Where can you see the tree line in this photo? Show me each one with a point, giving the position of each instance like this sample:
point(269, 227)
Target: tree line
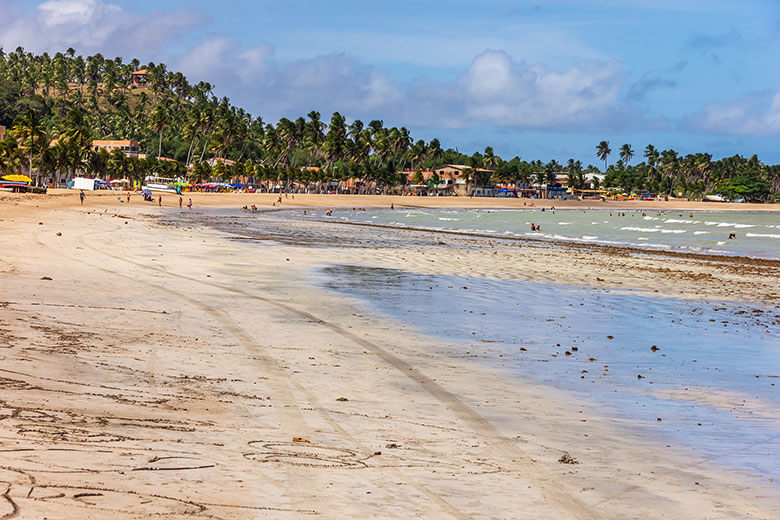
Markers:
point(56, 105)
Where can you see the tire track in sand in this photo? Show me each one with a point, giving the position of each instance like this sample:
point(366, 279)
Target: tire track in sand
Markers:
point(291, 417)
point(521, 464)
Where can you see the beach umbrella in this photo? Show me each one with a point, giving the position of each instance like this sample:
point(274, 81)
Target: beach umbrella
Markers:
point(147, 191)
point(17, 178)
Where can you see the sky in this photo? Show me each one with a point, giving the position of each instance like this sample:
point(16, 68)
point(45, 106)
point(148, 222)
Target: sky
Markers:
point(537, 79)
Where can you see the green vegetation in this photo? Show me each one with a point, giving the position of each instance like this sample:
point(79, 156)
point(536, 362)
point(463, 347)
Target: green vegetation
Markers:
point(56, 105)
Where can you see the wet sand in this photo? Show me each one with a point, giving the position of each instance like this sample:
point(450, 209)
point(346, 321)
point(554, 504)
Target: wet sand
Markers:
point(151, 369)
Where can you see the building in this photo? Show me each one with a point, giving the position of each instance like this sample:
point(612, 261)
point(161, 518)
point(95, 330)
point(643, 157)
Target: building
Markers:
point(140, 78)
point(214, 160)
point(2, 132)
point(130, 148)
point(453, 179)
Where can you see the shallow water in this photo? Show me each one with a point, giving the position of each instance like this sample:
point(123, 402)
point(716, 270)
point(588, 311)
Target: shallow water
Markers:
point(711, 381)
point(757, 233)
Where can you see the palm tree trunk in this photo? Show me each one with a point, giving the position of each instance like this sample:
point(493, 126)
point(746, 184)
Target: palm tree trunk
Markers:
point(189, 152)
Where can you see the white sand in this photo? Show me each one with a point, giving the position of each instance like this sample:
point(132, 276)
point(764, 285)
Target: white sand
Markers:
point(168, 371)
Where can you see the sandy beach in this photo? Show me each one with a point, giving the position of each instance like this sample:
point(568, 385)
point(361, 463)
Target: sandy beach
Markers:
point(151, 368)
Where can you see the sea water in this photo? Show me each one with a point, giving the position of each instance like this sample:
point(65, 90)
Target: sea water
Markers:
point(710, 372)
point(756, 233)
point(712, 377)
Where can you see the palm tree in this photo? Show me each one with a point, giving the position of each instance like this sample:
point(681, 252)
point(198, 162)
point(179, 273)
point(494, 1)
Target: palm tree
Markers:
point(602, 152)
point(29, 127)
point(491, 160)
point(626, 153)
point(159, 122)
point(652, 156)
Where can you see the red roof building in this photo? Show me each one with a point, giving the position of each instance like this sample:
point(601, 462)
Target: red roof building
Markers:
point(140, 77)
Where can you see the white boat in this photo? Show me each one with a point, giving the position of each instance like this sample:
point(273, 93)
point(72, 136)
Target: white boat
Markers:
point(159, 184)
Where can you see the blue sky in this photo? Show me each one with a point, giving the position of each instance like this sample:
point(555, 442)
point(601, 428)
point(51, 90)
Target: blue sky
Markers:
point(538, 79)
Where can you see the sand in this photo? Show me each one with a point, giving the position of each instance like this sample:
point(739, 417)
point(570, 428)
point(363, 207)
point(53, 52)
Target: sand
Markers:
point(151, 370)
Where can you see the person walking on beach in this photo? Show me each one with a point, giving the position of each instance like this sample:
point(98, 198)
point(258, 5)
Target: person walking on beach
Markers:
point(189, 204)
point(81, 196)
point(159, 201)
point(180, 201)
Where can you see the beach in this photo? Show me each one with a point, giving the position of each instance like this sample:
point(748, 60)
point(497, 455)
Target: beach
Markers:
point(222, 364)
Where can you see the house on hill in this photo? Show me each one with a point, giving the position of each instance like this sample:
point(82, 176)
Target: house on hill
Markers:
point(140, 77)
point(130, 148)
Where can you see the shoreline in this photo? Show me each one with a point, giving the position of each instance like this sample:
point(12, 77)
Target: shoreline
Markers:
point(606, 248)
point(70, 198)
point(199, 406)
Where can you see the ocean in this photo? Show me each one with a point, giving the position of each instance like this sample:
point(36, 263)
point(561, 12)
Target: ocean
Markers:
point(756, 233)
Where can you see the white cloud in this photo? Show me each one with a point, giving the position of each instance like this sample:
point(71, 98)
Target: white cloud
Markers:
point(754, 115)
point(89, 26)
point(256, 81)
point(494, 90)
point(499, 91)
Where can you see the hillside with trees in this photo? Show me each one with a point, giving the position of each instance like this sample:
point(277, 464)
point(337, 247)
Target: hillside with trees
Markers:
point(55, 106)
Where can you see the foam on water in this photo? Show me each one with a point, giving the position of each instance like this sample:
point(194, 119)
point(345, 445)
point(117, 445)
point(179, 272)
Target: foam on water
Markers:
point(698, 232)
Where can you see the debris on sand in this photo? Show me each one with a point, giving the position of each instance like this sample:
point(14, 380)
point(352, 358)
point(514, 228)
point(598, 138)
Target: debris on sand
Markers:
point(300, 439)
point(59, 234)
point(567, 459)
point(342, 399)
point(654, 348)
point(45, 277)
point(392, 445)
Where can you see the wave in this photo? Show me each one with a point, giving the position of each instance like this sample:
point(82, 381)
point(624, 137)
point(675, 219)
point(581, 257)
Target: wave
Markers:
point(652, 230)
point(763, 235)
point(728, 224)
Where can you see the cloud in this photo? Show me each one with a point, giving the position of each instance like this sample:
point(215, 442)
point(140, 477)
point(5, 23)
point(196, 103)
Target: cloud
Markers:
point(652, 81)
point(709, 42)
point(754, 115)
point(494, 90)
point(90, 26)
point(499, 91)
point(640, 89)
point(330, 82)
